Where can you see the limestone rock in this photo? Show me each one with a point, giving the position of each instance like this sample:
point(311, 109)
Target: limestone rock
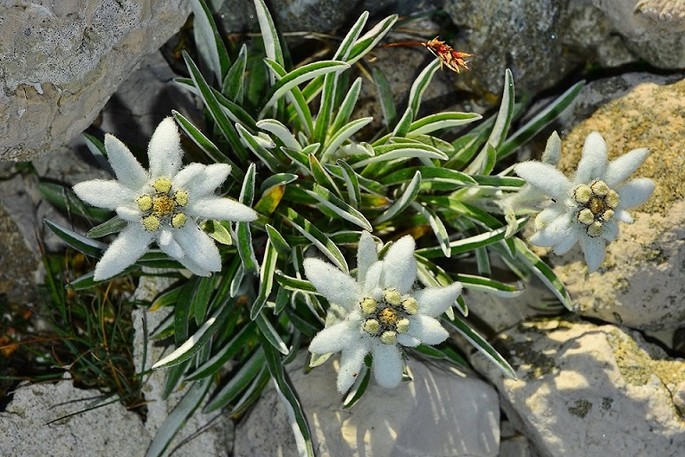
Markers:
point(590, 390)
point(27, 427)
point(440, 413)
point(653, 29)
point(61, 61)
point(640, 284)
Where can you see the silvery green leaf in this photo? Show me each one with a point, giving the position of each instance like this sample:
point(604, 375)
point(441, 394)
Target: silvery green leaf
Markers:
point(499, 131)
point(232, 86)
point(82, 244)
point(266, 278)
point(343, 134)
point(272, 44)
point(436, 225)
point(237, 343)
point(385, 97)
point(539, 121)
point(285, 83)
point(243, 231)
point(278, 179)
point(339, 207)
point(281, 132)
point(270, 334)
point(256, 145)
point(351, 182)
point(440, 121)
point(491, 286)
point(114, 225)
point(277, 240)
point(321, 175)
point(370, 39)
point(389, 152)
point(299, 104)
point(347, 105)
point(238, 382)
point(208, 40)
point(408, 196)
point(420, 84)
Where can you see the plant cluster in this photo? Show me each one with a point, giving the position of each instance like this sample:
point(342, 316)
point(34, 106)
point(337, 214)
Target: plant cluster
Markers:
point(426, 203)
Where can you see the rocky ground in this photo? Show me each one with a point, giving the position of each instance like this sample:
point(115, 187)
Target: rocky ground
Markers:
point(607, 380)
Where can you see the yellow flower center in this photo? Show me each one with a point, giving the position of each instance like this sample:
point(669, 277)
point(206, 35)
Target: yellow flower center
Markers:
point(163, 206)
point(388, 317)
point(596, 203)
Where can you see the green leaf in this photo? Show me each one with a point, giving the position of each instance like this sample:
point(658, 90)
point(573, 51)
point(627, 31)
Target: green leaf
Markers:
point(339, 207)
point(262, 153)
point(347, 106)
point(82, 244)
point(281, 132)
point(320, 174)
point(238, 343)
point(219, 231)
point(208, 40)
point(278, 179)
point(114, 225)
point(481, 344)
point(215, 110)
point(317, 237)
point(491, 286)
point(543, 272)
point(277, 240)
point(294, 284)
point(358, 389)
point(232, 86)
point(272, 44)
point(298, 101)
point(287, 82)
point(270, 335)
point(539, 121)
point(95, 146)
point(175, 420)
point(385, 97)
point(287, 393)
point(387, 152)
point(370, 39)
point(420, 84)
point(437, 226)
point(351, 182)
point(266, 278)
point(442, 178)
point(238, 382)
point(499, 131)
point(243, 232)
point(192, 345)
point(343, 134)
point(205, 144)
point(441, 121)
point(470, 243)
point(408, 196)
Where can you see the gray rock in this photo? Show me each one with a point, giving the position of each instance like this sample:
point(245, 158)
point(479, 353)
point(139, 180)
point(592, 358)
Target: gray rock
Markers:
point(640, 282)
point(202, 434)
point(441, 412)
point(653, 29)
point(590, 390)
point(28, 428)
point(60, 63)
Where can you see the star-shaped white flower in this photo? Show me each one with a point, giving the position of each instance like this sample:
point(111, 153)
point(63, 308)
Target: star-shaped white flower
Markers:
point(587, 209)
point(161, 205)
point(383, 311)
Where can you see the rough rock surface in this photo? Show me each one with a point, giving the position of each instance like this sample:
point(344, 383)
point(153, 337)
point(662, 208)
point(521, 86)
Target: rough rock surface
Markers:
point(60, 62)
point(590, 390)
point(653, 29)
point(640, 284)
point(27, 427)
point(440, 413)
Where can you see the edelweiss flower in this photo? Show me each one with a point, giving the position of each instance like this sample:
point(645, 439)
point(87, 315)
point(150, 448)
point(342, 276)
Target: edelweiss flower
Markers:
point(588, 209)
point(161, 205)
point(382, 311)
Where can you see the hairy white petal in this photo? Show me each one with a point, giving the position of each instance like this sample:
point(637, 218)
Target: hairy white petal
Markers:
point(407, 340)
point(126, 167)
point(427, 329)
point(545, 177)
point(635, 193)
point(549, 214)
point(399, 265)
point(387, 365)
point(220, 208)
point(332, 283)
point(334, 338)
point(164, 149)
point(434, 301)
point(209, 179)
point(129, 213)
point(623, 216)
point(198, 247)
point(610, 230)
point(351, 361)
point(373, 277)
point(188, 175)
point(169, 246)
point(555, 232)
point(567, 243)
point(593, 163)
point(594, 250)
point(129, 246)
point(104, 193)
point(620, 169)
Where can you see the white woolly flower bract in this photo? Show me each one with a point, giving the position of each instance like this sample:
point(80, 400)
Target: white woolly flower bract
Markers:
point(587, 209)
point(382, 311)
point(161, 204)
